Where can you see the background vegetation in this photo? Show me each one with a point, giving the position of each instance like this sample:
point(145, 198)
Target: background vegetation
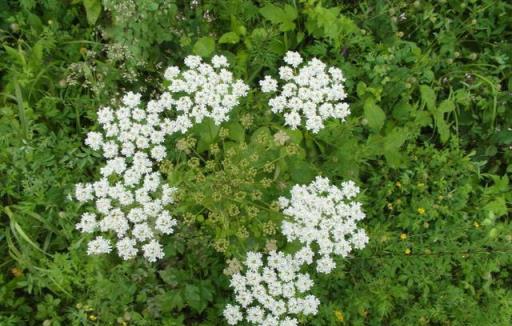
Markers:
point(428, 140)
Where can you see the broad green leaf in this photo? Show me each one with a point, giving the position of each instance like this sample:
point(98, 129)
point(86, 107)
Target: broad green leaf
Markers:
point(446, 106)
point(374, 115)
point(295, 135)
point(193, 297)
point(301, 171)
point(290, 12)
point(272, 13)
point(169, 276)
point(236, 131)
point(403, 110)
point(262, 131)
point(207, 131)
point(204, 46)
point(92, 10)
point(229, 37)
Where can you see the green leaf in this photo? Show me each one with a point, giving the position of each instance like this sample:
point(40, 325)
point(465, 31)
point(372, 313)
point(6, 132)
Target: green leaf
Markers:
point(193, 297)
point(392, 143)
point(207, 132)
point(446, 106)
point(236, 131)
point(301, 171)
point(204, 46)
point(169, 276)
point(282, 17)
point(498, 207)
point(403, 110)
point(92, 10)
point(290, 12)
point(229, 37)
point(374, 114)
point(272, 13)
point(295, 135)
point(442, 127)
point(262, 131)
point(428, 96)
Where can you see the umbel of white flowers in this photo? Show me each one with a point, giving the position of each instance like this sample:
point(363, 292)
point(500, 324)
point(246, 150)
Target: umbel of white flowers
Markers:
point(273, 290)
point(325, 215)
point(130, 212)
point(321, 217)
point(312, 92)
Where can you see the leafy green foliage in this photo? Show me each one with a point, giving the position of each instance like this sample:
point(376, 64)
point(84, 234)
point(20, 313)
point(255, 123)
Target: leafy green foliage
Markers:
point(428, 140)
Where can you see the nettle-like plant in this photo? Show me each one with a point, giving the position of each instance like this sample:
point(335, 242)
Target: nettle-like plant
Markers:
point(132, 201)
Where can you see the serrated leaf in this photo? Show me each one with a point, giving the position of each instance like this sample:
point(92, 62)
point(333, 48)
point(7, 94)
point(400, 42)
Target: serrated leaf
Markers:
point(428, 96)
point(278, 16)
point(192, 296)
point(204, 46)
point(442, 127)
point(374, 115)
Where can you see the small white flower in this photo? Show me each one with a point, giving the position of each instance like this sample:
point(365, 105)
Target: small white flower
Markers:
point(88, 223)
point(233, 314)
point(153, 251)
point(165, 223)
point(84, 192)
point(192, 61)
point(131, 99)
point(142, 232)
point(171, 72)
point(268, 85)
point(98, 246)
point(94, 140)
point(126, 248)
point(293, 59)
point(158, 153)
point(219, 61)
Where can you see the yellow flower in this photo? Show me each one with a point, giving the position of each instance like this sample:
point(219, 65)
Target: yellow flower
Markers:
point(421, 210)
point(407, 251)
point(339, 315)
point(476, 224)
point(92, 317)
point(403, 236)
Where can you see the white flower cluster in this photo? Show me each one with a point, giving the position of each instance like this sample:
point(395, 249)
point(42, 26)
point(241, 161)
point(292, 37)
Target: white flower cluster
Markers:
point(273, 290)
point(130, 197)
point(323, 217)
point(204, 90)
point(323, 214)
point(314, 92)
